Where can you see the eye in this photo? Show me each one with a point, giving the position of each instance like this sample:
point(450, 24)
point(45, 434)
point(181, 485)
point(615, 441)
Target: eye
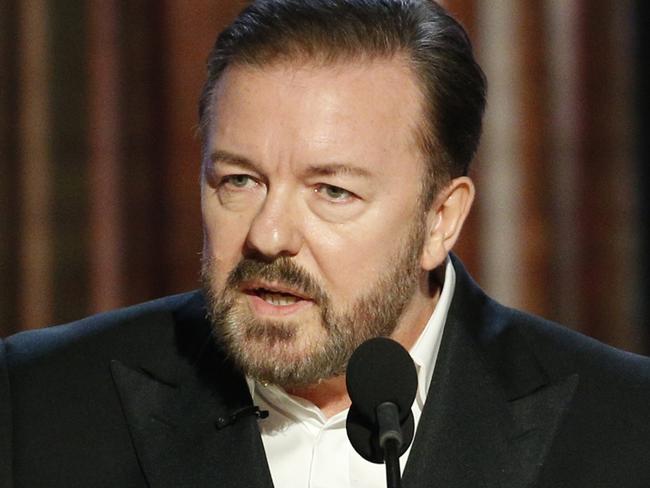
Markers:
point(238, 181)
point(334, 193)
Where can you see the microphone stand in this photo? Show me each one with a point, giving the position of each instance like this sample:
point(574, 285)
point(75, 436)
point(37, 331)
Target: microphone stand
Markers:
point(390, 440)
point(391, 458)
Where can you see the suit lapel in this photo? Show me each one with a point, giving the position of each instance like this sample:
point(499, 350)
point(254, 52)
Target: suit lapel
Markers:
point(179, 413)
point(489, 420)
point(491, 413)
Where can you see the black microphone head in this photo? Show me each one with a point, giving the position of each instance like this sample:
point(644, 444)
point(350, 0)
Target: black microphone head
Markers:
point(363, 436)
point(381, 370)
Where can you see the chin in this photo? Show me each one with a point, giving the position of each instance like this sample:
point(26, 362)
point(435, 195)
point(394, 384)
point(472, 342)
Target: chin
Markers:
point(288, 358)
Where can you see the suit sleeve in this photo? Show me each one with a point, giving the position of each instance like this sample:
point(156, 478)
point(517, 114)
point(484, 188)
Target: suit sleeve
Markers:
point(5, 422)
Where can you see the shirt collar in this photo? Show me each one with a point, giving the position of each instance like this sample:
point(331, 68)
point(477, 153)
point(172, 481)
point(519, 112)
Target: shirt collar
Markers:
point(425, 350)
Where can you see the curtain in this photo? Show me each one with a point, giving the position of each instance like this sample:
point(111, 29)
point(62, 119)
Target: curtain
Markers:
point(99, 158)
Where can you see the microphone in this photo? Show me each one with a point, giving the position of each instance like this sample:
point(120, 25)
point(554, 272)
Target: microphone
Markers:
point(251, 410)
point(381, 381)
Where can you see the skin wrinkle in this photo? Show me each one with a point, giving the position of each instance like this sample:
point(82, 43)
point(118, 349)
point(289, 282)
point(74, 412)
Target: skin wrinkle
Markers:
point(365, 254)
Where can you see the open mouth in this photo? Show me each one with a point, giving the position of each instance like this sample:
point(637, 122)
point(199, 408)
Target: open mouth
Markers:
point(277, 296)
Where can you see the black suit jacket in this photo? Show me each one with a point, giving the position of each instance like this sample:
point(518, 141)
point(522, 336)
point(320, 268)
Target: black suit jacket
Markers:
point(144, 397)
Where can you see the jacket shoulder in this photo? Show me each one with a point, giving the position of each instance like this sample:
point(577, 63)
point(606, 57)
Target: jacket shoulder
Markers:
point(563, 349)
point(112, 331)
point(519, 345)
point(61, 416)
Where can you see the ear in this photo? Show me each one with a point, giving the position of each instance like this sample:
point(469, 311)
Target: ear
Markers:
point(445, 220)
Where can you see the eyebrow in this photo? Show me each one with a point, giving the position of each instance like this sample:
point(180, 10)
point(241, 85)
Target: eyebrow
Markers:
point(334, 169)
point(328, 169)
point(221, 156)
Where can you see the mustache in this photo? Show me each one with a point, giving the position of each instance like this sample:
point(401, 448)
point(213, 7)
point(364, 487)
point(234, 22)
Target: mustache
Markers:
point(282, 270)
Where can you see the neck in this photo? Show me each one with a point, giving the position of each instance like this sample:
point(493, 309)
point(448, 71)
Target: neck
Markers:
point(415, 317)
point(330, 395)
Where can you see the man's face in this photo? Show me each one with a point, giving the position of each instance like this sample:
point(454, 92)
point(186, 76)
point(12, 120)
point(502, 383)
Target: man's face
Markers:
point(313, 227)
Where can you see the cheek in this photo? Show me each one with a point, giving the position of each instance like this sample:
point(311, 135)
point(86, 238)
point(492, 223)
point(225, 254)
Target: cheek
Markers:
point(219, 262)
point(352, 256)
point(223, 239)
point(346, 257)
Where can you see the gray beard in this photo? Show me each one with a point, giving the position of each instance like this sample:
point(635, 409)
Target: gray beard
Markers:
point(259, 347)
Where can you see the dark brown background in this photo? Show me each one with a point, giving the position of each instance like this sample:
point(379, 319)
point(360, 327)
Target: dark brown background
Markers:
point(99, 200)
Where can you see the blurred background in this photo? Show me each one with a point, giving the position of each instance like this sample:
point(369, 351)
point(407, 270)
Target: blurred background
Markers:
point(99, 158)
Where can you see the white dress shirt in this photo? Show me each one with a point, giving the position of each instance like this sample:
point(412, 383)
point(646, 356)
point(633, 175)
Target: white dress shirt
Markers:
point(305, 449)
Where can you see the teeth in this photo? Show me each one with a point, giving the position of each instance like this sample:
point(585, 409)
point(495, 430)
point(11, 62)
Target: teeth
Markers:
point(278, 299)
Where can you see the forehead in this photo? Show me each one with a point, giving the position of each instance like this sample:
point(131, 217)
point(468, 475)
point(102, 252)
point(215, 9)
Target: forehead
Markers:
point(368, 109)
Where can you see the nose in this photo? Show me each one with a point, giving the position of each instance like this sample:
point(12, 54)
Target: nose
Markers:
point(274, 231)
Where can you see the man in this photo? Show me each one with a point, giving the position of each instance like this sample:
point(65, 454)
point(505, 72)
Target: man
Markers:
point(337, 137)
